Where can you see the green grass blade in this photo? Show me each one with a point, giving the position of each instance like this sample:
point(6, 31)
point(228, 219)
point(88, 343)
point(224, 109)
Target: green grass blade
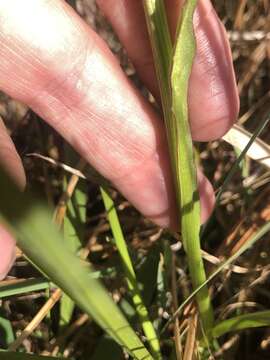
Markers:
point(186, 179)
point(121, 245)
point(67, 306)
point(161, 45)
point(74, 223)
point(22, 287)
point(259, 234)
point(30, 221)
point(40, 284)
point(173, 76)
point(162, 49)
point(241, 322)
point(7, 355)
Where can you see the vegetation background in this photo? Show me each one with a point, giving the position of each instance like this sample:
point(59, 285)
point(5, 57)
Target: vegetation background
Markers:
point(244, 207)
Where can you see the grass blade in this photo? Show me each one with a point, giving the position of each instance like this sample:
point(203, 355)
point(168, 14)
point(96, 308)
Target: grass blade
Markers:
point(140, 307)
point(30, 221)
point(8, 355)
point(40, 284)
point(173, 68)
point(186, 179)
point(241, 322)
point(25, 286)
point(160, 39)
point(74, 221)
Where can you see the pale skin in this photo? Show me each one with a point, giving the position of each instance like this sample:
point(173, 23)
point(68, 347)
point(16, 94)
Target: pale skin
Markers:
point(53, 62)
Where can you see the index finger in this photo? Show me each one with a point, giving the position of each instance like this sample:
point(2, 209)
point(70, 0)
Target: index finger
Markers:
point(52, 61)
point(213, 98)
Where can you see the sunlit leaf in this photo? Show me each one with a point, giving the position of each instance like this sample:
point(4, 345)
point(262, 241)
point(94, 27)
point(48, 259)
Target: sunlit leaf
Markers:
point(40, 240)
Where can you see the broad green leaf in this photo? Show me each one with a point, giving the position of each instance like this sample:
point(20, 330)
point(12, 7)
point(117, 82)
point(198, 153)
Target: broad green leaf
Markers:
point(173, 68)
point(7, 355)
point(40, 240)
point(241, 322)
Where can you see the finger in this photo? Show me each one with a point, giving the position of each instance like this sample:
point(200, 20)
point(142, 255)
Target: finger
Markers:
point(11, 163)
point(50, 60)
point(7, 251)
point(9, 158)
point(213, 99)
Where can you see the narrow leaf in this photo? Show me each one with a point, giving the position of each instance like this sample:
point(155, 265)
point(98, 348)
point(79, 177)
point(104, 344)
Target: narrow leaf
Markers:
point(8, 355)
point(24, 286)
point(242, 322)
point(39, 239)
point(140, 307)
point(74, 223)
point(173, 68)
point(186, 173)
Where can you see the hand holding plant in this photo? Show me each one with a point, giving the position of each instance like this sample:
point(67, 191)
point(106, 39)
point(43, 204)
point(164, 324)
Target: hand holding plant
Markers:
point(78, 96)
point(54, 63)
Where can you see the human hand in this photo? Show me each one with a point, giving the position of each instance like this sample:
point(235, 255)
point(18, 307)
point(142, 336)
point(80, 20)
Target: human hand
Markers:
point(53, 62)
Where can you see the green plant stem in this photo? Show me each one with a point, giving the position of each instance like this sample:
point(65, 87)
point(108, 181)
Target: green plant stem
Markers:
point(121, 245)
point(173, 68)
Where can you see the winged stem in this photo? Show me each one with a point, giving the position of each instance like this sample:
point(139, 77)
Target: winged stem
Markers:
point(173, 68)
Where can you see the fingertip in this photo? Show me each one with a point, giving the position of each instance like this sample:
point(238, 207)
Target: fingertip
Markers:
point(213, 93)
point(9, 159)
point(170, 218)
point(207, 197)
point(7, 251)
